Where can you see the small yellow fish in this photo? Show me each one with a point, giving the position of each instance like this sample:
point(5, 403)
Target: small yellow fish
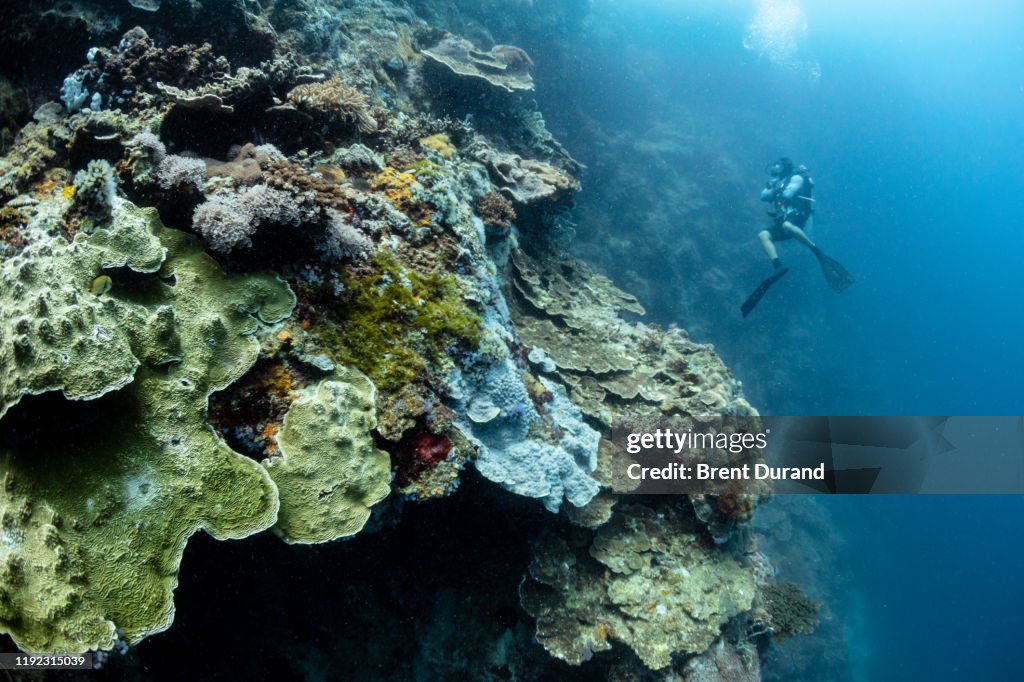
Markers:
point(101, 285)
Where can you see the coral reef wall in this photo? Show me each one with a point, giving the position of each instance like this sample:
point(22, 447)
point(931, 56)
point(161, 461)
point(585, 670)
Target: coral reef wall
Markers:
point(296, 267)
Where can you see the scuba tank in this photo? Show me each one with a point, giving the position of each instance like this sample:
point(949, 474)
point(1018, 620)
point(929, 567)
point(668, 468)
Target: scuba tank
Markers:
point(802, 203)
point(806, 191)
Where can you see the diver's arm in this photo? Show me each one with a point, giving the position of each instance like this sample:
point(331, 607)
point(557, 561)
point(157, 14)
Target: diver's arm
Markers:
point(796, 183)
point(768, 193)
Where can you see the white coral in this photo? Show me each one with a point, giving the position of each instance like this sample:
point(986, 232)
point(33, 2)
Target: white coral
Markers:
point(228, 221)
point(179, 171)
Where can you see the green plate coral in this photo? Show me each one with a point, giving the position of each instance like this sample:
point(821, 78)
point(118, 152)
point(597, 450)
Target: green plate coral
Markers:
point(92, 527)
point(56, 331)
point(328, 471)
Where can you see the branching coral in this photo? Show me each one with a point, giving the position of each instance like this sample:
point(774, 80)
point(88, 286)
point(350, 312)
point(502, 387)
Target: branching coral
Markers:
point(791, 611)
point(284, 175)
point(228, 221)
point(94, 192)
point(123, 78)
point(496, 211)
point(182, 172)
point(335, 101)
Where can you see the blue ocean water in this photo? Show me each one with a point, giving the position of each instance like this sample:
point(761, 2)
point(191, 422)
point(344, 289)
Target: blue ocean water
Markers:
point(936, 589)
point(911, 116)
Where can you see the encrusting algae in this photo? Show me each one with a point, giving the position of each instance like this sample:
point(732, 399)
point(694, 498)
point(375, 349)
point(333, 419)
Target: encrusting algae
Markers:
point(392, 322)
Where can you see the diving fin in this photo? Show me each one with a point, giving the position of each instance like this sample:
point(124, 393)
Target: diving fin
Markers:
point(836, 275)
point(761, 290)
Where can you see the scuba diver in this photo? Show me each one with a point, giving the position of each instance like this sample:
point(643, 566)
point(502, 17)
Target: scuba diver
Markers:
point(789, 191)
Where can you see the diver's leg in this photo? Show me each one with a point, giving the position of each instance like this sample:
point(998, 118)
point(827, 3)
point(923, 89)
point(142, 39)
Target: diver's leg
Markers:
point(799, 235)
point(769, 248)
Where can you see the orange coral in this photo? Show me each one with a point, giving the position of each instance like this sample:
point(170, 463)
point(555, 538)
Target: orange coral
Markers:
point(397, 188)
point(603, 630)
point(278, 381)
point(269, 433)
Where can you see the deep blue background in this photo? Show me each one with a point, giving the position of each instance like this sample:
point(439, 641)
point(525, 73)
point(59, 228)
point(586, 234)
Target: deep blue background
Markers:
point(915, 131)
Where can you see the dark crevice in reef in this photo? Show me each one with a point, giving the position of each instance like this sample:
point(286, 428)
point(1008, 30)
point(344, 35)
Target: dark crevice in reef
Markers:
point(249, 413)
point(66, 36)
point(90, 144)
point(51, 425)
point(211, 134)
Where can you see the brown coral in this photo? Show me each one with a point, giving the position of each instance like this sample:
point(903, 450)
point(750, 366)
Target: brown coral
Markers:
point(138, 61)
point(496, 210)
point(245, 166)
point(513, 57)
point(526, 181)
point(128, 76)
point(404, 157)
point(791, 611)
point(11, 222)
point(284, 175)
point(253, 165)
point(336, 102)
